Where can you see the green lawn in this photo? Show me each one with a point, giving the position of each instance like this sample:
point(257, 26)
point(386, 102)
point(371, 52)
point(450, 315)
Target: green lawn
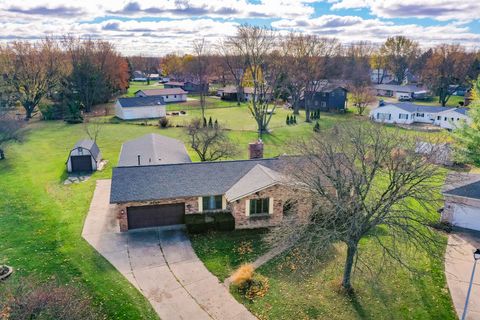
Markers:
point(41, 219)
point(296, 293)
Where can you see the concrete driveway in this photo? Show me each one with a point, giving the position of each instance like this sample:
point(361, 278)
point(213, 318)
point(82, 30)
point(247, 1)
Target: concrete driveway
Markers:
point(161, 264)
point(458, 269)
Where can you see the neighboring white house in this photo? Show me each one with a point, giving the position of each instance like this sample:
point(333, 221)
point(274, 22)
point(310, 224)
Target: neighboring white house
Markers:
point(408, 113)
point(140, 108)
point(462, 201)
point(396, 91)
point(168, 95)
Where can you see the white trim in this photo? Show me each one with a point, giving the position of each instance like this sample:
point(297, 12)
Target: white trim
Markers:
point(247, 207)
point(200, 204)
point(270, 205)
point(224, 202)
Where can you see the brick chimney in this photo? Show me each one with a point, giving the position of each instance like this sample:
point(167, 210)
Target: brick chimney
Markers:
point(255, 149)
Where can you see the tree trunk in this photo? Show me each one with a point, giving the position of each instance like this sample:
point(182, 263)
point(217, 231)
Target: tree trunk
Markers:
point(347, 273)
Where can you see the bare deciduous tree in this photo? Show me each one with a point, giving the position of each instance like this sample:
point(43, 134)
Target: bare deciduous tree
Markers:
point(93, 128)
point(33, 69)
point(201, 71)
point(400, 54)
point(10, 128)
point(210, 142)
point(235, 65)
point(362, 179)
point(255, 47)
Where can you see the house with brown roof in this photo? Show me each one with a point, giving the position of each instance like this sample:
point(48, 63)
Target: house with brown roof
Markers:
point(169, 95)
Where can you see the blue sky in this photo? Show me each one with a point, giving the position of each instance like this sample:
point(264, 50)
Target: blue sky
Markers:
point(156, 27)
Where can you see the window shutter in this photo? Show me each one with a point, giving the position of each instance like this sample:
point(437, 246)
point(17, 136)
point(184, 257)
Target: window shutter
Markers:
point(200, 204)
point(270, 205)
point(247, 207)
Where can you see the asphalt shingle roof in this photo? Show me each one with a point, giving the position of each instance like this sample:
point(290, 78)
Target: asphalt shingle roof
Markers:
point(162, 92)
point(141, 101)
point(462, 185)
point(144, 183)
point(153, 149)
point(412, 107)
point(89, 145)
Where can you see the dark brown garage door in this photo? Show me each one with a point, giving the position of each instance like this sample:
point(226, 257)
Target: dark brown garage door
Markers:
point(155, 216)
point(81, 163)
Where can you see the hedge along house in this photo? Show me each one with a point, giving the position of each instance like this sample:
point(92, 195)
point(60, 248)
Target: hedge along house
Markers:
point(140, 108)
point(84, 157)
point(253, 191)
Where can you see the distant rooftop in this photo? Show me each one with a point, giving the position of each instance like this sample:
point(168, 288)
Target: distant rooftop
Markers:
point(141, 101)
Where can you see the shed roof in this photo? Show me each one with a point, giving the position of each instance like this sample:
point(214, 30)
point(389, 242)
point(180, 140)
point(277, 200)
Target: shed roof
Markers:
point(141, 101)
point(89, 145)
point(175, 83)
point(153, 149)
point(144, 183)
point(162, 92)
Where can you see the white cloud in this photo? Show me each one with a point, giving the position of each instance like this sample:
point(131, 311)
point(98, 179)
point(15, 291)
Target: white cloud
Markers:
point(441, 10)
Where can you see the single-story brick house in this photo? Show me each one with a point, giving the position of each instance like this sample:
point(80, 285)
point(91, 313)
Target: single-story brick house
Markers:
point(140, 108)
point(462, 201)
point(168, 95)
point(254, 191)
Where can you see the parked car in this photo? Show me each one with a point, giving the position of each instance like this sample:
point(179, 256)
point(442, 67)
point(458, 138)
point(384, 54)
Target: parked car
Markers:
point(404, 97)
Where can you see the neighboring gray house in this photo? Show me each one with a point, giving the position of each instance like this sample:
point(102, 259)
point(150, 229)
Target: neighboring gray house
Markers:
point(462, 201)
point(328, 97)
point(84, 157)
point(152, 149)
point(397, 91)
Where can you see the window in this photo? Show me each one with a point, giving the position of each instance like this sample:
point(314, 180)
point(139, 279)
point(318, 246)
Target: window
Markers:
point(175, 96)
point(445, 119)
point(384, 116)
point(259, 206)
point(439, 118)
point(212, 203)
point(167, 97)
point(420, 115)
point(324, 104)
point(403, 116)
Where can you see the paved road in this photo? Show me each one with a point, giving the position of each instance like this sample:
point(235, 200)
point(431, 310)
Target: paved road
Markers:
point(458, 269)
point(161, 264)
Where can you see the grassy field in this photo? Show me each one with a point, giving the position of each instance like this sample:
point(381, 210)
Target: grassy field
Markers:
point(41, 219)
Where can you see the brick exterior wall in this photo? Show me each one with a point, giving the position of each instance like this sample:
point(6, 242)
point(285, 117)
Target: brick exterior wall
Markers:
point(279, 195)
point(237, 208)
point(191, 206)
point(452, 201)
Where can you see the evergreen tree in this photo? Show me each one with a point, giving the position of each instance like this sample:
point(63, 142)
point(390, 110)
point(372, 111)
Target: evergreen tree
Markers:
point(288, 120)
point(210, 123)
point(316, 128)
point(215, 125)
point(294, 119)
point(204, 122)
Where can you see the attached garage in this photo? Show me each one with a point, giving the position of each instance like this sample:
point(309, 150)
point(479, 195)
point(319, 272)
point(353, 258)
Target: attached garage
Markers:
point(155, 215)
point(462, 201)
point(84, 157)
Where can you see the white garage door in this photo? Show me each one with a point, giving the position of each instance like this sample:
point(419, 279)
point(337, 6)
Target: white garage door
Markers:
point(466, 217)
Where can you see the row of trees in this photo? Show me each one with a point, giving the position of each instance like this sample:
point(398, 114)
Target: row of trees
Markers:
point(69, 72)
point(293, 65)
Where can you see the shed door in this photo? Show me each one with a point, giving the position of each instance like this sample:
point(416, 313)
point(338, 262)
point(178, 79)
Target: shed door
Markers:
point(155, 216)
point(81, 163)
point(466, 217)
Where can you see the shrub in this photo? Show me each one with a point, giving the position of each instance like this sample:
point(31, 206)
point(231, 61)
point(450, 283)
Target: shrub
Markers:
point(224, 221)
point(288, 120)
point(242, 275)
point(52, 111)
point(316, 128)
point(163, 122)
point(30, 299)
point(198, 223)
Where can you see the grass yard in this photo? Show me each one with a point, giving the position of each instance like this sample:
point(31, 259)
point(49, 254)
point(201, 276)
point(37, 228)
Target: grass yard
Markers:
point(295, 293)
point(41, 219)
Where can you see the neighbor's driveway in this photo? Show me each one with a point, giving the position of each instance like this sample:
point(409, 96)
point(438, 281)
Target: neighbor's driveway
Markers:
point(161, 264)
point(458, 269)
